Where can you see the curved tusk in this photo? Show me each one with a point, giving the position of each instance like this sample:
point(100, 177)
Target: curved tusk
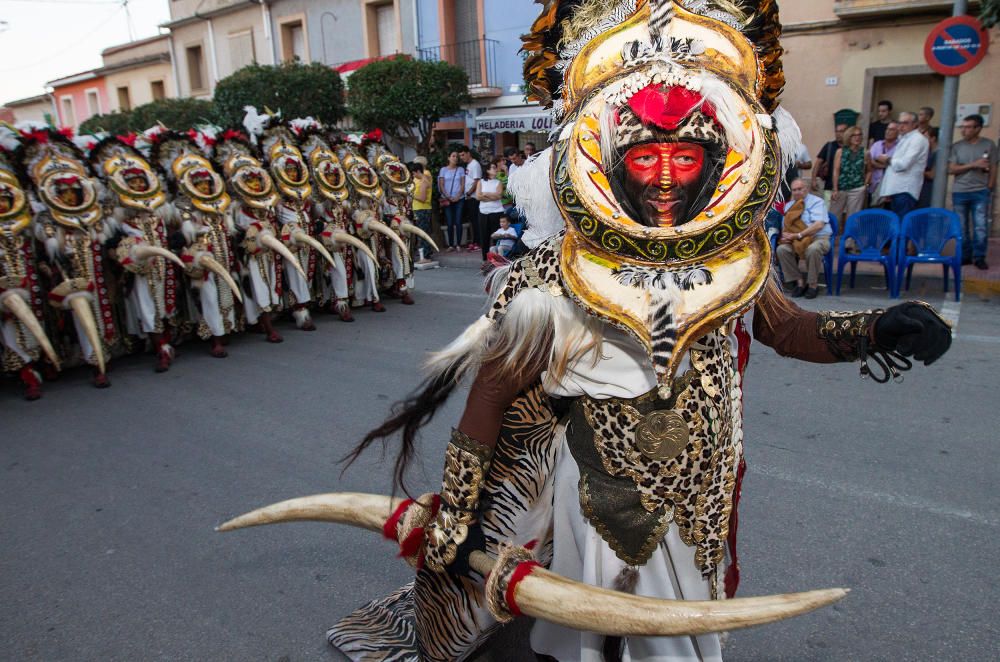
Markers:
point(366, 511)
point(413, 229)
point(382, 228)
point(318, 247)
point(272, 242)
point(20, 309)
point(147, 252)
point(210, 263)
point(345, 238)
point(85, 315)
point(546, 595)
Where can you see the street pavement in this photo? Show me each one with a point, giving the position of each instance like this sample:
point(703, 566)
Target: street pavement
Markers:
point(108, 499)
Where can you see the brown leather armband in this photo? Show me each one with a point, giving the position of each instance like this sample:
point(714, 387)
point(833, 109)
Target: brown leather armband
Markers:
point(843, 332)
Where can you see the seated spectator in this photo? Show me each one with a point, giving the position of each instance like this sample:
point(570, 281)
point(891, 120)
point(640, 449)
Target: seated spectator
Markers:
point(504, 238)
point(805, 236)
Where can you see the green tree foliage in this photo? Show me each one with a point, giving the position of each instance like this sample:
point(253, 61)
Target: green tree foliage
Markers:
point(989, 12)
point(175, 113)
point(405, 97)
point(296, 89)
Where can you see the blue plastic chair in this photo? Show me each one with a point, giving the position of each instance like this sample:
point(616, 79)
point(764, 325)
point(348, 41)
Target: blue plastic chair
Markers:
point(827, 259)
point(876, 237)
point(929, 231)
point(518, 228)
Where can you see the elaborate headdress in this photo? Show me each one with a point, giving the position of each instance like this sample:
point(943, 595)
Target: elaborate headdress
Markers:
point(281, 153)
point(394, 174)
point(666, 159)
point(15, 212)
point(248, 179)
point(179, 156)
point(127, 173)
point(328, 174)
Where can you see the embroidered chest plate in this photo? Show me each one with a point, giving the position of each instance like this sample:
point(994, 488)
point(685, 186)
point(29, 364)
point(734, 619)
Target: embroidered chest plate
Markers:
point(647, 462)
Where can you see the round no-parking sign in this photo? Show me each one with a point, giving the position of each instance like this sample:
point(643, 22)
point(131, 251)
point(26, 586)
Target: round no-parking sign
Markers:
point(956, 45)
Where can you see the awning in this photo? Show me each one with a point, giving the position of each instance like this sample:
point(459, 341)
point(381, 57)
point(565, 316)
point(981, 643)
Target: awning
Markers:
point(519, 118)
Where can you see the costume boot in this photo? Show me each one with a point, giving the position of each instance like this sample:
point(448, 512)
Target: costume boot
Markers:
point(268, 328)
point(32, 383)
point(343, 309)
point(378, 307)
point(100, 379)
point(164, 352)
point(217, 350)
point(302, 318)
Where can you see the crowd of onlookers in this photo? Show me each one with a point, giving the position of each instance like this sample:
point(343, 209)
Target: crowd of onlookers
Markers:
point(474, 193)
point(892, 166)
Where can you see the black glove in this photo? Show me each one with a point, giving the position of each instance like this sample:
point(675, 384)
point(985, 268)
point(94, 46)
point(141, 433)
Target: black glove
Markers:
point(913, 329)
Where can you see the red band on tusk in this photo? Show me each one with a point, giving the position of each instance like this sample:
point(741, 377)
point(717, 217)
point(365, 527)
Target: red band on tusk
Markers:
point(522, 570)
point(389, 528)
point(411, 545)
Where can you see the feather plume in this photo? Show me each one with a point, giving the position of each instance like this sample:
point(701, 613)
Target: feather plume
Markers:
point(533, 194)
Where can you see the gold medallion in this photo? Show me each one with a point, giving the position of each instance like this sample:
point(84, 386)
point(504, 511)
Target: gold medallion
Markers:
point(662, 435)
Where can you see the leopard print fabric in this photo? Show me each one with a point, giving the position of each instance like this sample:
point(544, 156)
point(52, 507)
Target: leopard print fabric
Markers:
point(693, 489)
point(539, 268)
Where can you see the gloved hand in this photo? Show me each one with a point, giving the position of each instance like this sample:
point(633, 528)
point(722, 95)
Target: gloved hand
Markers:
point(913, 329)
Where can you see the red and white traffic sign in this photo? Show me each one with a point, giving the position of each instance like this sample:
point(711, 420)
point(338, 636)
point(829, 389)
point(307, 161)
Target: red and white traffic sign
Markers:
point(956, 45)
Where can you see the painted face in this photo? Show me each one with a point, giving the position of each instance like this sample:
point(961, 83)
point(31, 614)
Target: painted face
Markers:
point(137, 183)
point(292, 170)
point(203, 185)
point(662, 181)
point(70, 195)
point(6, 201)
point(332, 176)
point(254, 183)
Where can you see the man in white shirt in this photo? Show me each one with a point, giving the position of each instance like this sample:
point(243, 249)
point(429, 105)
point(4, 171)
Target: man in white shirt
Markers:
point(473, 173)
point(904, 170)
point(805, 235)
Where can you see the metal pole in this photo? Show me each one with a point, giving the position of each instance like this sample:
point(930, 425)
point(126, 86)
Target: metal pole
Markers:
point(948, 102)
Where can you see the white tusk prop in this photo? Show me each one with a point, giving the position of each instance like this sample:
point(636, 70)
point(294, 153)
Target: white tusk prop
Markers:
point(345, 238)
point(85, 315)
point(413, 229)
point(20, 309)
point(147, 252)
point(546, 595)
point(382, 228)
point(318, 247)
point(210, 263)
point(272, 242)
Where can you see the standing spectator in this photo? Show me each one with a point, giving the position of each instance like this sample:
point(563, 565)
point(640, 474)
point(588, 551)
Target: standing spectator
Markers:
point(973, 162)
point(876, 130)
point(849, 176)
point(489, 191)
point(473, 173)
point(515, 159)
point(422, 190)
point(451, 183)
point(802, 162)
point(885, 147)
point(904, 170)
point(805, 235)
point(924, 117)
point(824, 161)
point(507, 200)
point(529, 150)
point(927, 192)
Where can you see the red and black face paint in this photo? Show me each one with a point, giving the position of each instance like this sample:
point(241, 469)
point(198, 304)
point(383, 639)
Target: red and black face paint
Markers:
point(663, 179)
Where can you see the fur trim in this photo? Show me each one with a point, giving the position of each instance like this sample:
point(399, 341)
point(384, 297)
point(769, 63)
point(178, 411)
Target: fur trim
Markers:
point(789, 136)
point(254, 123)
point(189, 231)
point(301, 316)
point(531, 190)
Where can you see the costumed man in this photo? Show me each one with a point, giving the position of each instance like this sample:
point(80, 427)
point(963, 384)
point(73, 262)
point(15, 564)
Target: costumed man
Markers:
point(70, 222)
point(139, 242)
point(331, 206)
point(255, 201)
point(397, 183)
point(200, 207)
point(366, 202)
point(603, 433)
point(22, 334)
point(291, 176)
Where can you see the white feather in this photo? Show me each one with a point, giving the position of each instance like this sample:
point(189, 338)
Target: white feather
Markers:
point(462, 353)
point(533, 194)
point(789, 136)
point(9, 138)
point(254, 123)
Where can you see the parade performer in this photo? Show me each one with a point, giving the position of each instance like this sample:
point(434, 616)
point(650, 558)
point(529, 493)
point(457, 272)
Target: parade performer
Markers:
point(255, 201)
point(22, 334)
point(332, 210)
point(139, 242)
point(366, 202)
point(291, 176)
point(200, 206)
point(397, 183)
point(69, 222)
point(603, 434)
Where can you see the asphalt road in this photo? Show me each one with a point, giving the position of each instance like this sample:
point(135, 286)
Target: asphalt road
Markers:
point(108, 499)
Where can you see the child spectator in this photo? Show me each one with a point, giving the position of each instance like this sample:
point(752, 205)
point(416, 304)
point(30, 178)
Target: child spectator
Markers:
point(504, 238)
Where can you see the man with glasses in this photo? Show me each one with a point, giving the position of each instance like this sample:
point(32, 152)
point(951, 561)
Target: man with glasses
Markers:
point(973, 163)
point(904, 170)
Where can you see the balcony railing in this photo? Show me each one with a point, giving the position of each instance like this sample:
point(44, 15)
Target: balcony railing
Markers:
point(860, 9)
point(478, 58)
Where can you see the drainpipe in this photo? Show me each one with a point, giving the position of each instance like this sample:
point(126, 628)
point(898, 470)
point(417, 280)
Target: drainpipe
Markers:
point(416, 27)
point(211, 55)
point(948, 102)
point(265, 13)
point(173, 66)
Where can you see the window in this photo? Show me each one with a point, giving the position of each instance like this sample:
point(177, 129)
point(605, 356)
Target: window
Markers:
point(68, 115)
point(293, 41)
point(195, 68)
point(124, 101)
point(157, 90)
point(241, 49)
point(93, 102)
point(385, 20)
